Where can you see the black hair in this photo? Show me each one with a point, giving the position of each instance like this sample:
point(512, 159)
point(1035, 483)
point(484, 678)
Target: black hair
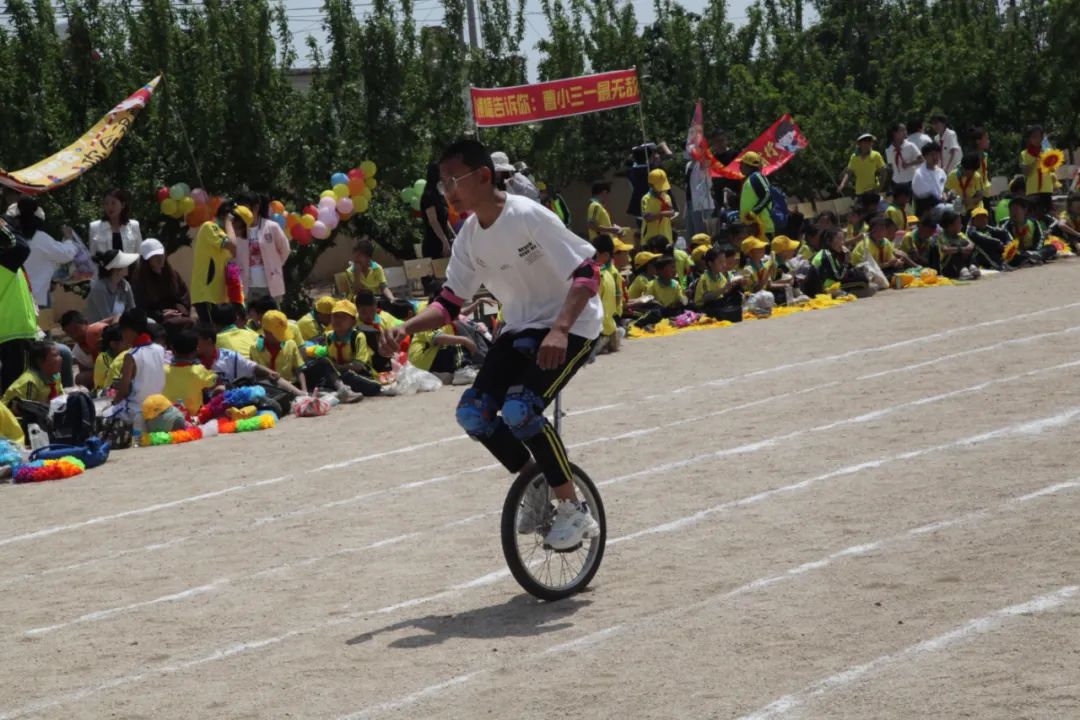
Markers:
point(1022, 202)
point(185, 343)
point(894, 128)
point(227, 206)
point(827, 236)
point(971, 161)
point(903, 189)
point(365, 246)
point(604, 244)
point(364, 298)
point(1030, 130)
point(712, 254)
point(664, 262)
point(976, 132)
point(206, 331)
point(71, 317)
point(657, 244)
point(122, 196)
point(728, 250)
point(941, 118)
point(735, 228)
point(915, 125)
point(223, 315)
point(887, 220)
point(472, 154)
point(102, 259)
point(263, 305)
point(722, 235)
point(829, 215)
point(948, 217)
point(257, 203)
point(869, 199)
point(109, 335)
point(876, 221)
point(37, 353)
point(27, 222)
point(600, 187)
point(928, 219)
point(795, 222)
point(134, 319)
point(810, 230)
point(930, 147)
point(400, 308)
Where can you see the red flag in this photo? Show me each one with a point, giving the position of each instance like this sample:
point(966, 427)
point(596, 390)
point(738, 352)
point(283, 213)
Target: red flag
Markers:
point(776, 146)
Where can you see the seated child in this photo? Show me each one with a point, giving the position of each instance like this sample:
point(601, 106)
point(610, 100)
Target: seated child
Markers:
point(315, 325)
point(40, 382)
point(363, 273)
point(718, 294)
point(265, 304)
point(644, 274)
point(877, 245)
point(989, 241)
point(783, 250)
point(665, 288)
point(110, 360)
point(349, 353)
point(143, 371)
point(370, 322)
point(811, 241)
point(229, 336)
point(277, 354)
point(1026, 233)
point(160, 415)
point(1017, 189)
point(855, 231)
point(759, 266)
point(829, 266)
point(897, 210)
point(187, 381)
point(920, 243)
point(1069, 224)
point(955, 248)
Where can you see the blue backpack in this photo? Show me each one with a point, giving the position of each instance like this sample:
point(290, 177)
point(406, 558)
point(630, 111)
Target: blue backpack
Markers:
point(778, 208)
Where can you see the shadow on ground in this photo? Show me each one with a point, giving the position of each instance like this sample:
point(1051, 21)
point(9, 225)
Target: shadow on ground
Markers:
point(521, 616)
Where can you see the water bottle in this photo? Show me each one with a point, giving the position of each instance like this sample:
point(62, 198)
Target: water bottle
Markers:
point(136, 438)
point(789, 295)
point(38, 437)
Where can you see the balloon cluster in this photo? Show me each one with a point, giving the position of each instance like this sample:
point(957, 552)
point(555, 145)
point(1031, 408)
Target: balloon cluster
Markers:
point(411, 195)
point(194, 206)
point(349, 193)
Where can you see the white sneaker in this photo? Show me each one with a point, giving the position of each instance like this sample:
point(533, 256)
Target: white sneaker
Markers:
point(534, 507)
point(573, 522)
point(390, 390)
point(965, 274)
point(465, 375)
point(975, 272)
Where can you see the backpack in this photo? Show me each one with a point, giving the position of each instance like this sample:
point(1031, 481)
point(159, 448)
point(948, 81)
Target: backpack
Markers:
point(74, 423)
point(778, 207)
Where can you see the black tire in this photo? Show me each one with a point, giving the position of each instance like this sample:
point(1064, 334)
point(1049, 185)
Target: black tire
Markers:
point(510, 538)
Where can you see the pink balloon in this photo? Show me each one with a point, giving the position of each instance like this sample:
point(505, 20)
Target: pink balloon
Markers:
point(319, 231)
point(325, 214)
point(345, 206)
point(199, 196)
point(327, 203)
point(331, 221)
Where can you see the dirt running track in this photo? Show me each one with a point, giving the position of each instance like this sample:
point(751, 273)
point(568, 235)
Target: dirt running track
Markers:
point(865, 512)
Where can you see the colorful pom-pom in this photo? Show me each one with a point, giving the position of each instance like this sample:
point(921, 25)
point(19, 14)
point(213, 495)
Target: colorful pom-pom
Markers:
point(259, 422)
point(43, 470)
point(176, 436)
point(314, 352)
point(234, 286)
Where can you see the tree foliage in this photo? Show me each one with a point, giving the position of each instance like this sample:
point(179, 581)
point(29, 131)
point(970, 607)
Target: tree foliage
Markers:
point(228, 116)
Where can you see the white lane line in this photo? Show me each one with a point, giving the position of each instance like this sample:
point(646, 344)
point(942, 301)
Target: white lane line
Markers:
point(659, 619)
point(979, 626)
point(152, 547)
point(411, 448)
point(652, 472)
point(1026, 427)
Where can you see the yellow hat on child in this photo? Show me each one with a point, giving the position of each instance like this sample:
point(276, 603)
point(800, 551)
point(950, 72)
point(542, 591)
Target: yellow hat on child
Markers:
point(699, 252)
point(752, 159)
point(153, 406)
point(912, 219)
point(782, 243)
point(345, 306)
point(643, 258)
point(242, 212)
point(701, 239)
point(980, 211)
point(621, 246)
point(275, 323)
point(752, 243)
point(324, 305)
point(658, 180)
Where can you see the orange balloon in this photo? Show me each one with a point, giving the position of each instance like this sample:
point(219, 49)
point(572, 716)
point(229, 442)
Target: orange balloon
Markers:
point(291, 219)
point(356, 185)
point(213, 205)
point(198, 216)
point(277, 207)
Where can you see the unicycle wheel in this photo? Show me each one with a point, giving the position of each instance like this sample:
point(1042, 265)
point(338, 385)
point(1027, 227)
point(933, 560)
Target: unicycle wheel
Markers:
point(542, 571)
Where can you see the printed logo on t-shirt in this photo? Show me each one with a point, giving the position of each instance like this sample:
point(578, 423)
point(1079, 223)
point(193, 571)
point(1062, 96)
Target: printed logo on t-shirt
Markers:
point(529, 252)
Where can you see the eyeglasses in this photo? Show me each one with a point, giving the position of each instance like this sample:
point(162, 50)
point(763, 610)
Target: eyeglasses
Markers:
point(450, 184)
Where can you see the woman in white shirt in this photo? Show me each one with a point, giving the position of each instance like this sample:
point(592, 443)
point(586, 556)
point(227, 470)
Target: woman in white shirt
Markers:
point(261, 249)
point(110, 294)
point(115, 230)
point(47, 255)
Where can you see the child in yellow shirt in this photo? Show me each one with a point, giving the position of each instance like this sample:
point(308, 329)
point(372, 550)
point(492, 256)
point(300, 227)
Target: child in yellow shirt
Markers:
point(314, 325)
point(187, 381)
point(717, 293)
point(644, 274)
point(665, 288)
point(349, 353)
point(110, 359)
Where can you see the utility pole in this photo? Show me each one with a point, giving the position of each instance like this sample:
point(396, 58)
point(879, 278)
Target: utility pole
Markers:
point(470, 6)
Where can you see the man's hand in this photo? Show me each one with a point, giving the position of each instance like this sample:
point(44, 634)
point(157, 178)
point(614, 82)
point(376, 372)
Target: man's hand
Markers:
point(390, 340)
point(552, 353)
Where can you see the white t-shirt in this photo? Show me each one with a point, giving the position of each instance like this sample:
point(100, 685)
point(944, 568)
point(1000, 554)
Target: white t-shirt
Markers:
point(948, 143)
point(928, 183)
point(908, 154)
point(920, 140)
point(525, 259)
point(47, 254)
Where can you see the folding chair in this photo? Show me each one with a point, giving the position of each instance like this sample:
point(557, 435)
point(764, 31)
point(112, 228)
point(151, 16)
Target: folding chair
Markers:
point(415, 272)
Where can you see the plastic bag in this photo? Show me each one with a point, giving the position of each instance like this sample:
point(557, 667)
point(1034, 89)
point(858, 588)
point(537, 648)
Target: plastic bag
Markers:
point(411, 380)
point(875, 277)
point(761, 304)
point(311, 406)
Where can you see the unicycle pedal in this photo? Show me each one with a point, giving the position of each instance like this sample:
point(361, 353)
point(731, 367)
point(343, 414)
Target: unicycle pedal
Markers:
point(575, 548)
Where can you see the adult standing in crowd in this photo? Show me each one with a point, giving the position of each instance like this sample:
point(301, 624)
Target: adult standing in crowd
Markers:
point(725, 190)
point(110, 293)
point(514, 182)
point(916, 134)
point(18, 317)
point(263, 251)
point(903, 158)
point(159, 289)
point(865, 166)
point(47, 254)
point(435, 211)
point(215, 245)
point(116, 230)
point(755, 198)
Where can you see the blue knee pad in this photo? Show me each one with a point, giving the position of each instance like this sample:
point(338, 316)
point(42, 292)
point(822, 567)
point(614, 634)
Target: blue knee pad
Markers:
point(523, 412)
point(476, 414)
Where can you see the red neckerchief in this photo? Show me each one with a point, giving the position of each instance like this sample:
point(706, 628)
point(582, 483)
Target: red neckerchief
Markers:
point(213, 360)
point(1023, 232)
point(664, 204)
point(339, 347)
point(896, 158)
point(143, 340)
point(273, 350)
point(963, 185)
point(53, 384)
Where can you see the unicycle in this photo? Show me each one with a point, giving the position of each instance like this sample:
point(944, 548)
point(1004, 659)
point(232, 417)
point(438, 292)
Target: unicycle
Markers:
point(542, 571)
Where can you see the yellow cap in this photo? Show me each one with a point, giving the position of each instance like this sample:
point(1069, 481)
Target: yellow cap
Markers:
point(643, 258)
point(780, 243)
point(275, 323)
point(154, 405)
point(699, 252)
point(621, 246)
point(244, 214)
point(541, 186)
point(345, 306)
point(658, 180)
point(753, 243)
point(980, 211)
point(752, 159)
point(324, 305)
point(701, 239)
point(912, 219)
